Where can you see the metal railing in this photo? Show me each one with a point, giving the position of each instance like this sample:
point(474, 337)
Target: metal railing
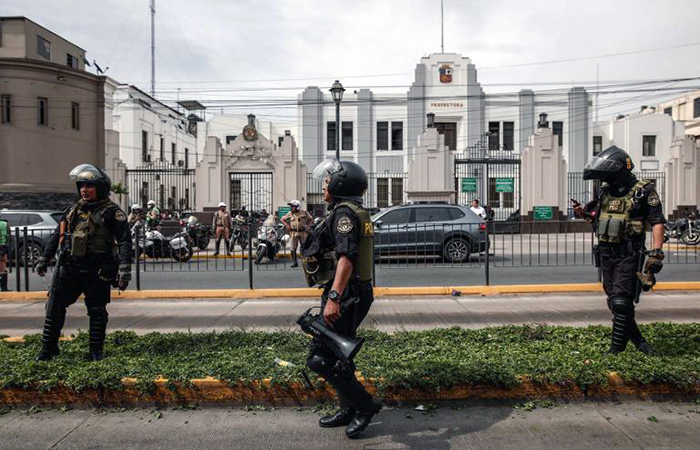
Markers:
point(403, 245)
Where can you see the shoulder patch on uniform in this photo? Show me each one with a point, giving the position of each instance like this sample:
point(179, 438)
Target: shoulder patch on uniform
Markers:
point(344, 225)
point(653, 199)
point(120, 216)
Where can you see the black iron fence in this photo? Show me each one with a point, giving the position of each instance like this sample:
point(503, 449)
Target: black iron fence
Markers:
point(384, 189)
point(171, 187)
point(400, 245)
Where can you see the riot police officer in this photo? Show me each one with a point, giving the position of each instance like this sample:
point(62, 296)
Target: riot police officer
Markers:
point(94, 247)
point(620, 213)
point(4, 251)
point(338, 256)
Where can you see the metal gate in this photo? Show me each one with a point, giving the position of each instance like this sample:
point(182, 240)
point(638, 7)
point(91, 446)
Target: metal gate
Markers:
point(491, 175)
point(252, 190)
point(172, 188)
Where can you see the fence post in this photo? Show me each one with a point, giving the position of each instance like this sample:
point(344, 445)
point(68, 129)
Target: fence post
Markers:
point(17, 271)
point(488, 257)
point(250, 254)
point(26, 259)
point(137, 231)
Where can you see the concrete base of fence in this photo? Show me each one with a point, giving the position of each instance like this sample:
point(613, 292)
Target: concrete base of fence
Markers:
point(210, 391)
point(379, 291)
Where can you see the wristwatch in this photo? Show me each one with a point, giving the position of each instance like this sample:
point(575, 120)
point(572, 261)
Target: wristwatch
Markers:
point(334, 296)
point(656, 253)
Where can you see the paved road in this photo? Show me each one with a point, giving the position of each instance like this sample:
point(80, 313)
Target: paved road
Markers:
point(163, 276)
point(629, 425)
point(387, 314)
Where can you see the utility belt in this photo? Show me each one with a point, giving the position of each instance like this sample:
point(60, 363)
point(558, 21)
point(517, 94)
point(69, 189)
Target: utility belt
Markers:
point(620, 250)
point(90, 263)
point(298, 229)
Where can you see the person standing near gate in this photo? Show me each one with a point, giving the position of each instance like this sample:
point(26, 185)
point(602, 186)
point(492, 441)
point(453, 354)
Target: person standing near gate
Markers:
point(4, 251)
point(222, 228)
point(135, 216)
point(95, 253)
point(478, 209)
point(297, 223)
point(338, 256)
point(622, 208)
point(153, 215)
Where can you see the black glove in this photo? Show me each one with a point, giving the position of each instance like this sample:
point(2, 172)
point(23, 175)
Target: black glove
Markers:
point(41, 266)
point(124, 276)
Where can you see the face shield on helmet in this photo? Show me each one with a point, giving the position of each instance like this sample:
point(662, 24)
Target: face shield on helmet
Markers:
point(325, 168)
point(602, 169)
point(89, 174)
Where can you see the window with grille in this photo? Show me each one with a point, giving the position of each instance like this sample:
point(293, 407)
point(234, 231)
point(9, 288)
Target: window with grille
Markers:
point(648, 145)
point(397, 135)
point(330, 136)
point(494, 135)
point(382, 135)
point(382, 192)
point(347, 135)
point(597, 144)
point(43, 112)
point(494, 197)
point(508, 135)
point(144, 146)
point(558, 130)
point(396, 191)
point(173, 151)
point(6, 109)
point(43, 47)
point(449, 130)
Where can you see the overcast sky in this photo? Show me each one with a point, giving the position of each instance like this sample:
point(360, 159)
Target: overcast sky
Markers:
point(244, 43)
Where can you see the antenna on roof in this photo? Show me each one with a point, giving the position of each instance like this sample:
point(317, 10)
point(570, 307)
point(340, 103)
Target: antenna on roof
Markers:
point(442, 27)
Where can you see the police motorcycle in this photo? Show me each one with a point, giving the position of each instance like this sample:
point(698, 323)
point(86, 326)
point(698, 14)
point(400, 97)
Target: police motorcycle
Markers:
point(153, 244)
point(239, 233)
point(686, 230)
point(199, 234)
point(271, 238)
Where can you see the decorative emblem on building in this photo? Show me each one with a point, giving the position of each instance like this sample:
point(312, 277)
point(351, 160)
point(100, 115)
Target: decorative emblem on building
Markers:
point(445, 73)
point(250, 134)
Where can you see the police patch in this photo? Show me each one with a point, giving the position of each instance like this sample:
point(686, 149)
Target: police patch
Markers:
point(120, 216)
point(344, 225)
point(653, 199)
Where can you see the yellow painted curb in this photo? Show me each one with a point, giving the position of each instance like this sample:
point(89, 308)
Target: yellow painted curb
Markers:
point(211, 391)
point(379, 292)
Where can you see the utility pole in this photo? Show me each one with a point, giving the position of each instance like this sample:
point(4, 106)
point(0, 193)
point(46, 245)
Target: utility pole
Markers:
point(153, 48)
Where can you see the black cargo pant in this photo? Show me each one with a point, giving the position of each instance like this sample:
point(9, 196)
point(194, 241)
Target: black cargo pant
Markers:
point(73, 282)
point(619, 266)
point(322, 360)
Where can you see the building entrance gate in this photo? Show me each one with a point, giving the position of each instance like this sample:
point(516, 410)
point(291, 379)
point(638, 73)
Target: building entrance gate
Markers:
point(490, 175)
point(172, 188)
point(252, 190)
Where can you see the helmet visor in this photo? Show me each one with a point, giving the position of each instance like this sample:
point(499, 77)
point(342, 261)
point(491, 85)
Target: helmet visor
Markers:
point(603, 165)
point(85, 173)
point(327, 167)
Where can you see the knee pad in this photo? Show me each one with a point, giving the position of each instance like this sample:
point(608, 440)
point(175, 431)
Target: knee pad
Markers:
point(97, 311)
point(320, 365)
point(621, 305)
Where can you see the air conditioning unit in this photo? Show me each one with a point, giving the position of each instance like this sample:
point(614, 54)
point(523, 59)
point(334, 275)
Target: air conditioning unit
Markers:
point(180, 163)
point(148, 158)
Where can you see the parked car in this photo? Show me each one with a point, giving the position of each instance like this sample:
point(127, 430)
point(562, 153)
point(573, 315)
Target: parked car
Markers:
point(40, 225)
point(450, 231)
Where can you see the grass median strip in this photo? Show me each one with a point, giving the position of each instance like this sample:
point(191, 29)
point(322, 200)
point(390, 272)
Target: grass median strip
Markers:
point(428, 361)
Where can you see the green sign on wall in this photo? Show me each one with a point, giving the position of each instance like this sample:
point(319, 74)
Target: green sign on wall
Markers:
point(504, 185)
point(283, 210)
point(543, 213)
point(468, 184)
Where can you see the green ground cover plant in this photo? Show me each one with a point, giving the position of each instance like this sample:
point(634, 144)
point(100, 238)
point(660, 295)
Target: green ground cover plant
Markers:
point(428, 360)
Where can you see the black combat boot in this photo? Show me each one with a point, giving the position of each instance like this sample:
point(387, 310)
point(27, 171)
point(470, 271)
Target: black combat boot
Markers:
point(218, 244)
point(98, 329)
point(638, 340)
point(341, 418)
point(228, 248)
point(49, 341)
point(362, 419)
point(3, 282)
point(294, 259)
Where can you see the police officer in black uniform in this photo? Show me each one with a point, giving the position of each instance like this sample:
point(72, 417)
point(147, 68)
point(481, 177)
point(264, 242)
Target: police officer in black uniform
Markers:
point(623, 208)
point(94, 247)
point(338, 256)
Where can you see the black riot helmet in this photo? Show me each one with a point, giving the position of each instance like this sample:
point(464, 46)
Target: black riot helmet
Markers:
point(89, 174)
point(346, 180)
point(611, 165)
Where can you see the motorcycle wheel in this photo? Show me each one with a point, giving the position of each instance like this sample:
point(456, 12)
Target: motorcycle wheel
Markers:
point(183, 254)
point(690, 239)
point(203, 243)
point(258, 257)
point(243, 241)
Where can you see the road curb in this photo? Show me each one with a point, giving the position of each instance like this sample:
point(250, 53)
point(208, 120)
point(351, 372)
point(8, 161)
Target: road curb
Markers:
point(210, 391)
point(378, 292)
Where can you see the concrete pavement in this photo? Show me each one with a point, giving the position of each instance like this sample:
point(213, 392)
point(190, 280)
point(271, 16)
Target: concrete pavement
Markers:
point(629, 425)
point(387, 314)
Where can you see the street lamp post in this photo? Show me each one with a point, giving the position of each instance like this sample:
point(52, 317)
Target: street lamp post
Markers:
point(337, 91)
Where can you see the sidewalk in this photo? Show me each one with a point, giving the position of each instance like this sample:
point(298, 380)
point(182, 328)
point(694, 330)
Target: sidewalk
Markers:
point(387, 314)
point(630, 425)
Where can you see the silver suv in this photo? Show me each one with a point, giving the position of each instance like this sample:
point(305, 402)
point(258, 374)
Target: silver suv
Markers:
point(40, 225)
point(450, 231)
